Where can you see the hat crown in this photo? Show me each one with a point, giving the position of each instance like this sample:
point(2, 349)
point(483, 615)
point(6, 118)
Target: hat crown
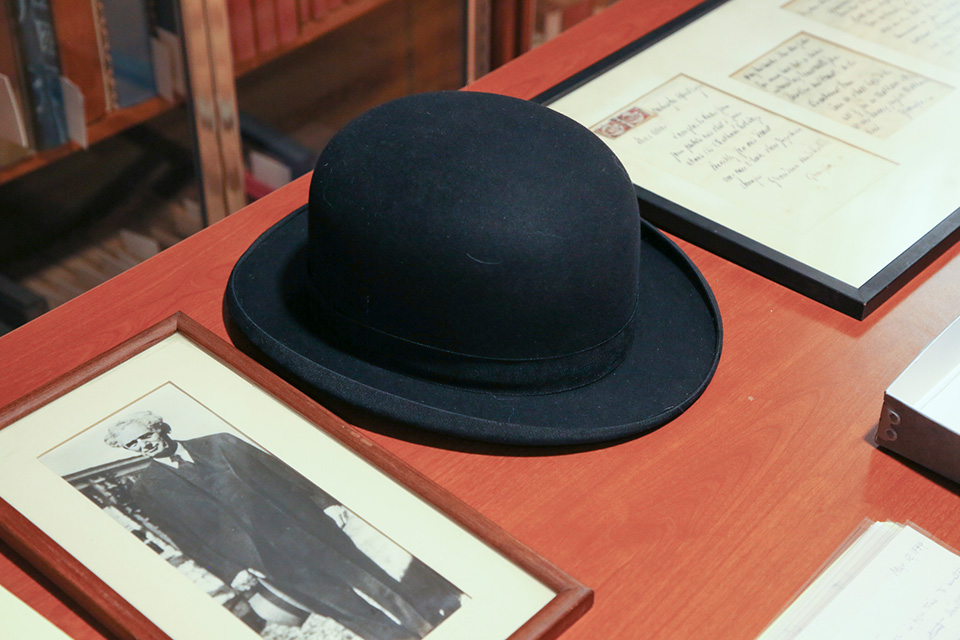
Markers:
point(475, 224)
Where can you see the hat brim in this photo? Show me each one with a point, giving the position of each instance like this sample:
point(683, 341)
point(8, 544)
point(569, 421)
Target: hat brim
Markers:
point(670, 362)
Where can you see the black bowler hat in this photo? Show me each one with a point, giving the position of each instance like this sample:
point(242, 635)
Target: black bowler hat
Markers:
point(476, 265)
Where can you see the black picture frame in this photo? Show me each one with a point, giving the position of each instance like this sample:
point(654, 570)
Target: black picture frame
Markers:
point(856, 302)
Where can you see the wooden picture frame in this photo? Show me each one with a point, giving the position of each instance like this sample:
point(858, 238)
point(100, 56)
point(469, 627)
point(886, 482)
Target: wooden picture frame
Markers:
point(118, 578)
point(846, 224)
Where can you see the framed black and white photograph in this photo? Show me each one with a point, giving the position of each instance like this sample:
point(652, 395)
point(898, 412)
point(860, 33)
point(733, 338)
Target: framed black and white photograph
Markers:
point(811, 141)
point(178, 490)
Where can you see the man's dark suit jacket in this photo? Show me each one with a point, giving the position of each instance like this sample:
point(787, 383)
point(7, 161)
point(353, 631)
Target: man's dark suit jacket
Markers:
point(238, 508)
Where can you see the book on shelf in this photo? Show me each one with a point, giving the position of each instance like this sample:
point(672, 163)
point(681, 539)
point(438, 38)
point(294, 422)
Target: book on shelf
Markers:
point(54, 292)
point(288, 20)
point(556, 16)
point(141, 247)
point(12, 153)
point(243, 39)
point(254, 188)
point(169, 70)
point(87, 272)
point(318, 8)
point(265, 25)
point(268, 170)
point(19, 305)
point(16, 124)
point(888, 581)
point(272, 158)
point(260, 136)
point(101, 261)
point(14, 142)
point(68, 63)
point(76, 273)
point(125, 52)
point(36, 38)
point(76, 27)
point(261, 26)
point(187, 216)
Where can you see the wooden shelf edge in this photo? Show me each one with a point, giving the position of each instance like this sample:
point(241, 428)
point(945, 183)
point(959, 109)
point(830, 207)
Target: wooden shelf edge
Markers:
point(110, 125)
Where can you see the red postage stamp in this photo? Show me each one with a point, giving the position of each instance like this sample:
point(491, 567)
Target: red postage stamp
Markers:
point(623, 122)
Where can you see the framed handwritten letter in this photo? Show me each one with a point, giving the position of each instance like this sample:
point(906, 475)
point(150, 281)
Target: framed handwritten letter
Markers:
point(812, 141)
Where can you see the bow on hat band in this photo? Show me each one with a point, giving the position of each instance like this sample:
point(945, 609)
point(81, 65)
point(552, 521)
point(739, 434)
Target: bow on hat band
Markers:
point(533, 376)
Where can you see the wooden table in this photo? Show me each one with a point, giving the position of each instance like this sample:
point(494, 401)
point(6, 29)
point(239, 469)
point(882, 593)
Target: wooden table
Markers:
point(703, 529)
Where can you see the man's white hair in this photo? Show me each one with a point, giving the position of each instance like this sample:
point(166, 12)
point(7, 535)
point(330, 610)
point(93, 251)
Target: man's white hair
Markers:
point(146, 420)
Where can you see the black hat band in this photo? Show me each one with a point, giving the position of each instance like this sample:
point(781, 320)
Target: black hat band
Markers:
point(534, 376)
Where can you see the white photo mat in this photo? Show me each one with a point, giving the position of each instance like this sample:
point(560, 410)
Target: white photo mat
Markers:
point(500, 595)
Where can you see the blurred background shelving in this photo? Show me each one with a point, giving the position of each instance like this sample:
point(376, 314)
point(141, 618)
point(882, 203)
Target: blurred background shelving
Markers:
point(128, 125)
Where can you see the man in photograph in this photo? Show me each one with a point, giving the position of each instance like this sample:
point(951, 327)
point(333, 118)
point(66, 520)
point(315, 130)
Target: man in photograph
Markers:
point(264, 529)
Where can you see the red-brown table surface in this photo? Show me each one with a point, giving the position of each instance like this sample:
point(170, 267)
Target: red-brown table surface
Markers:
point(702, 529)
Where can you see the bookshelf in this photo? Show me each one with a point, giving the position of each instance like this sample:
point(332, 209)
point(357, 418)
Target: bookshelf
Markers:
point(354, 56)
point(110, 125)
point(209, 19)
point(208, 23)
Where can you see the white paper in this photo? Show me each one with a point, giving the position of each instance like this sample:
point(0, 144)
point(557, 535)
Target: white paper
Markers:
point(782, 175)
point(873, 96)
point(927, 29)
point(843, 85)
point(269, 170)
point(73, 105)
point(894, 583)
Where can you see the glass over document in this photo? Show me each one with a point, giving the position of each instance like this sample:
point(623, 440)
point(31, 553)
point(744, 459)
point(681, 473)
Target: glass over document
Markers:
point(822, 131)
